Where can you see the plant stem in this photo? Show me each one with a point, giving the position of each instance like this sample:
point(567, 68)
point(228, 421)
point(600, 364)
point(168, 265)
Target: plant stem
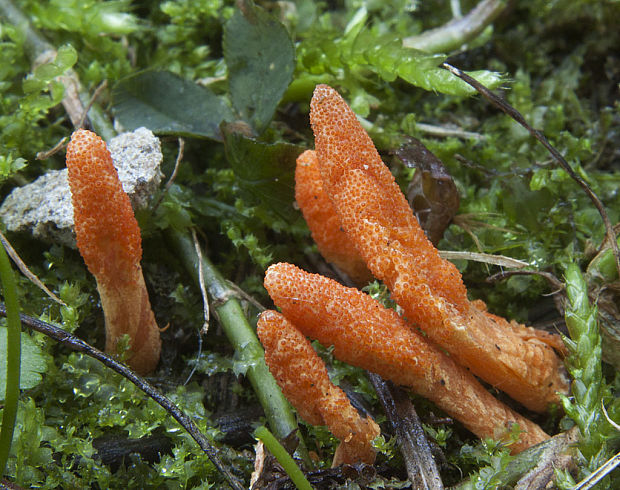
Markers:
point(285, 460)
point(584, 364)
point(242, 337)
point(13, 358)
point(458, 31)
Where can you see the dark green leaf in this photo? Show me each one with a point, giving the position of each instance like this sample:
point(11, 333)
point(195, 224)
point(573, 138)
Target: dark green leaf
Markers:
point(168, 104)
point(266, 172)
point(260, 58)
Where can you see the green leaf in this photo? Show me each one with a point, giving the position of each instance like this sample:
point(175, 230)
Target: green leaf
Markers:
point(386, 55)
point(266, 172)
point(48, 71)
point(66, 57)
point(10, 166)
point(44, 74)
point(261, 59)
point(168, 104)
point(32, 363)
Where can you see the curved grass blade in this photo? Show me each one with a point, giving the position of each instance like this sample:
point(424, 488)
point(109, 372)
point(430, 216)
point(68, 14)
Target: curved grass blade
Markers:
point(12, 356)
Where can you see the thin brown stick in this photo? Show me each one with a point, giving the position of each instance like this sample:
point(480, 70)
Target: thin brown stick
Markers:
point(459, 30)
point(554, 281)
point(493, 259)
point(23, 268)
point(79, 345)
point(43, 155)
point(421, 466)
point(205, 305)
point(177, 164)
point(203, 289)
point(591, 480)
point(517, 116)
point(444, 132)
point(92, 100)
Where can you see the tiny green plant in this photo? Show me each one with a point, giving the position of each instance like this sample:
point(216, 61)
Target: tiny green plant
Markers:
point(589, 390)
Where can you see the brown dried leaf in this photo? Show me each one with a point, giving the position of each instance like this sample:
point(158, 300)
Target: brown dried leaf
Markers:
point(432, 193)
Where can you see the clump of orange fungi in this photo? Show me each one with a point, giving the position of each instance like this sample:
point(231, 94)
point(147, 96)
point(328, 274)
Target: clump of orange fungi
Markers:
point(367, 335)
point(108, 237)
point(376, 217)
point(303, 378)
point(362, 222)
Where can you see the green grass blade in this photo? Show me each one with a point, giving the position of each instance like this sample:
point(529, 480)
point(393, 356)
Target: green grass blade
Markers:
point(12, 357)
point(284, 458)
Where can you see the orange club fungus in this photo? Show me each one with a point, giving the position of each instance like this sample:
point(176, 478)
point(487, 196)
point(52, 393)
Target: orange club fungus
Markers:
point(302, 377)
point(375, 216)
point(362, 223)
point(324, 224)
point(108, 238)
point(367, 335)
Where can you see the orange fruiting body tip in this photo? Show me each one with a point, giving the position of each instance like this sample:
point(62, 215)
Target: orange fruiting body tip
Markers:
point(323, 221)
point(367, 335)
point(303, 378)
point(107, 232)
point(108, 238)
point(378, 220)
point(350, 164)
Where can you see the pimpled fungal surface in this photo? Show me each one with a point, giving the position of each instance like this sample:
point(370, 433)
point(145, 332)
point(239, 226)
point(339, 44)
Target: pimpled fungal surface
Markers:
point(376, 217)
point(303, 378)
point(108, 237)
point(367, 335)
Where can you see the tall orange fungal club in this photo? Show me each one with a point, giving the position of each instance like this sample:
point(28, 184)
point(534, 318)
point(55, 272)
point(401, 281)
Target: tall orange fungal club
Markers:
point(108, 238)
point(324, 224)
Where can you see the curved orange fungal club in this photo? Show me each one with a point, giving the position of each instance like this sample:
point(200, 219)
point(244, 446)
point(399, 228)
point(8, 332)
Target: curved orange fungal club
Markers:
point(367, 335)
point(323, 221)
point(343, 149)
point(378, 220)
point(303, 378)
point(108, 238)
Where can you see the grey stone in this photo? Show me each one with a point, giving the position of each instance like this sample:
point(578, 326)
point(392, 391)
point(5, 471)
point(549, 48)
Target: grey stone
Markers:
point(44, 207)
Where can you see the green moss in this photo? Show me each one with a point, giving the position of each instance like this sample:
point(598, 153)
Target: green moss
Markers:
point(557, 61)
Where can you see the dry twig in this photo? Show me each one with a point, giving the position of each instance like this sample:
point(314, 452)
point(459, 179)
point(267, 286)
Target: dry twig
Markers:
point(21, 265)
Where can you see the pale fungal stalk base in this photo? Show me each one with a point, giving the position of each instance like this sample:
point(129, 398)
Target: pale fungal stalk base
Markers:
point(127, 310)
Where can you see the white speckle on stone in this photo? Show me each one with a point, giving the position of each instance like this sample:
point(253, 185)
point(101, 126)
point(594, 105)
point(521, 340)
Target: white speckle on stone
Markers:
point(44, 207)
